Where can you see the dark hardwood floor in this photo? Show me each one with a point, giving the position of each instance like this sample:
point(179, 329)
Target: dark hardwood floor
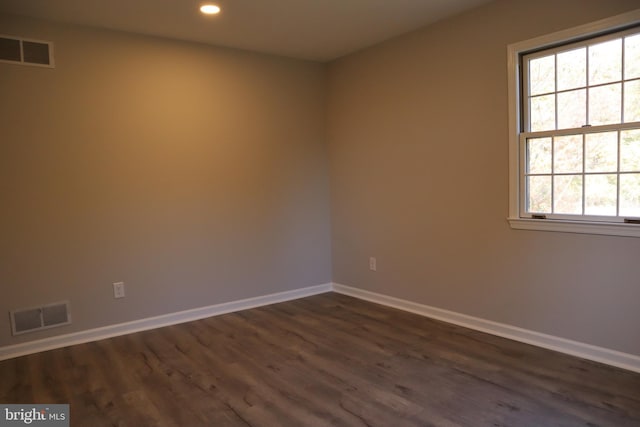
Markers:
point(326, 360)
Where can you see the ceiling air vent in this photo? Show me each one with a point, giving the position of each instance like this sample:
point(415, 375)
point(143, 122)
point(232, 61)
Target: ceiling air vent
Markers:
point(16, 50)
point(37, 318)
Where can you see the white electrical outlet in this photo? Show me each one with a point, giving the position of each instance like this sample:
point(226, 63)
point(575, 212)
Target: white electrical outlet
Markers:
point(118, 290)
point(372, 264)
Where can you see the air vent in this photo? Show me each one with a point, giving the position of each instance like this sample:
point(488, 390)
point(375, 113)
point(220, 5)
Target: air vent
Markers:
point(37, 318)
point(16, 50)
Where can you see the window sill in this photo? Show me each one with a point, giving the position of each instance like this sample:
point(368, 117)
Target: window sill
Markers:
point(581, 227)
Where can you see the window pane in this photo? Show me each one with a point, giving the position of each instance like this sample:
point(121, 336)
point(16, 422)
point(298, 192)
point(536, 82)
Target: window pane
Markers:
point(632, 101)
point(542, 75)
point(632, 57)
point(539, 194)
point(572, 69)
point(600, 194)
point(567, 194)
point(605, 62)
point(543, 113)
point(572, 109)
point(630, 150)
point(604, 105)
point(539, 155)
point(567, 154)
point(630, 195)
point(601, 152)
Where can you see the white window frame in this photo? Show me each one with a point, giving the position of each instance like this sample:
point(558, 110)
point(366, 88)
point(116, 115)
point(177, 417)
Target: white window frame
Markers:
point(516, 218)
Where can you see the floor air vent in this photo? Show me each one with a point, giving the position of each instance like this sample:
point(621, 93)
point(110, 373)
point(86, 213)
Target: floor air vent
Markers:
point(37, 318)
point(17, 50)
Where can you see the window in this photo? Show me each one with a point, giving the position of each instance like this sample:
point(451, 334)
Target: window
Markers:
point(575, 129)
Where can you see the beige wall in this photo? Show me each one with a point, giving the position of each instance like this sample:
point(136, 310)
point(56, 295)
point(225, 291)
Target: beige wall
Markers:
point(418, 144)
point(196, 175)
point(199, 175)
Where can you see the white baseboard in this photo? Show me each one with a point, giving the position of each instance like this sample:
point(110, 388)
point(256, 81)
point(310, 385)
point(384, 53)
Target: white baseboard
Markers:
point(598, 354)
point(586, 351)
point(11, 351)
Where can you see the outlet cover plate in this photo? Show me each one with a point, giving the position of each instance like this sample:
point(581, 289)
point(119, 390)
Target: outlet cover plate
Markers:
point(118, 290)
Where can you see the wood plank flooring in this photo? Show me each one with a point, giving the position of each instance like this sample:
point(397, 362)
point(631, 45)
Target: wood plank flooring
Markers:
point(326, 360)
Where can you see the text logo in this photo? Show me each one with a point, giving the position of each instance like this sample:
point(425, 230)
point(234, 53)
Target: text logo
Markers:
point(34, 415)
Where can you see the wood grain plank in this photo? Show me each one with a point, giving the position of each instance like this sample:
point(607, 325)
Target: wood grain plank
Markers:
point(326, 360)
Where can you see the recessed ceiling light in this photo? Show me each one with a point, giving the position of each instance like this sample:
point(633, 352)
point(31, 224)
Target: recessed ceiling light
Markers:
point(209, 9)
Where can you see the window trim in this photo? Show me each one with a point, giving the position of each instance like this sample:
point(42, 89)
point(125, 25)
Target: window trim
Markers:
point(514, 50)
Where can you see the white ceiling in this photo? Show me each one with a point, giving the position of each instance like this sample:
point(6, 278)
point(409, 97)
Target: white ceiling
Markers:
point(319, 30)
